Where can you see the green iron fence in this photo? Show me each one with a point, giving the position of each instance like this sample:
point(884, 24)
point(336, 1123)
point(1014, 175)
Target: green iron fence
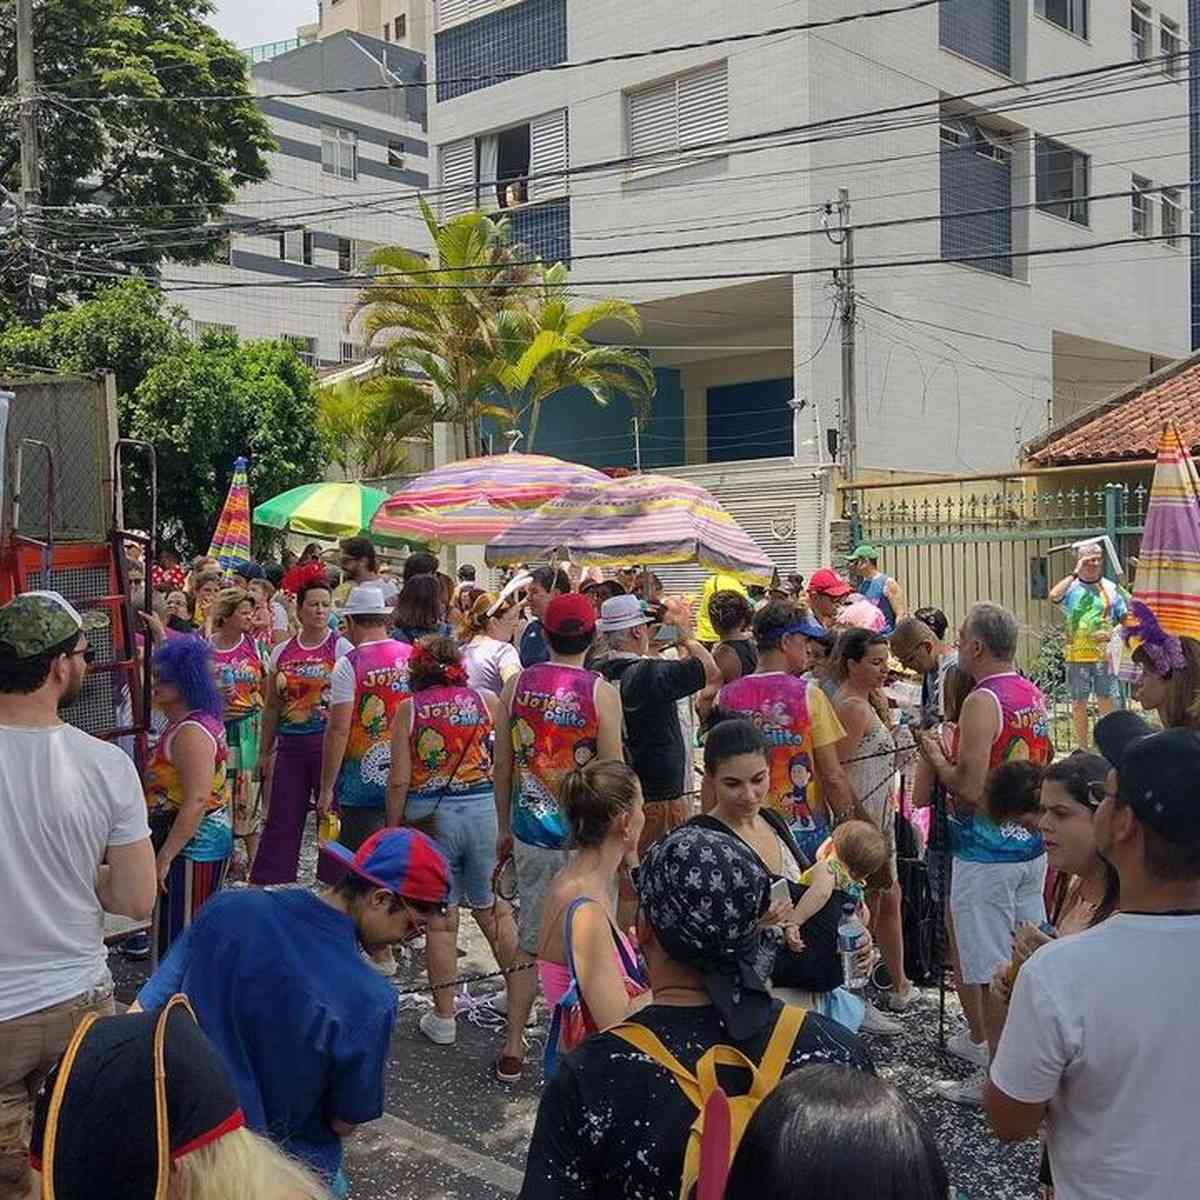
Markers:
point(1004, 546)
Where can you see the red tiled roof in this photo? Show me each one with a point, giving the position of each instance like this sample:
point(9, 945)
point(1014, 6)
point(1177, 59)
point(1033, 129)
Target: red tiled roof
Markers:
point(1129, 424)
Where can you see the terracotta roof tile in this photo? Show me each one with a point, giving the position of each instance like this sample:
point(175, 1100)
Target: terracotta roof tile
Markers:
point(1129, 424)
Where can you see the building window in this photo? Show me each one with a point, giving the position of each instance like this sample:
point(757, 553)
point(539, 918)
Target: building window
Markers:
point(387, 33)
point(296, 246)
point(976, 196)
point(512, 40)
point(1139, 21)
point(395, 152)
point(544, 230)
point(306, 347)
point(401, 24)
point(979, 30)
point(1140, 206)
point(352, 352)
point(1071, 15)
point(690, 110)
point(1062, 181)
point(346, 255)
point(223, 250)
point(1172, 216)
point(339, 152)
point(525, 163)
point(1170, 46)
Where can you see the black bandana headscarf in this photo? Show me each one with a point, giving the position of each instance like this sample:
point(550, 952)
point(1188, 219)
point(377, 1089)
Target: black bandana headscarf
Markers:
point(704, 892)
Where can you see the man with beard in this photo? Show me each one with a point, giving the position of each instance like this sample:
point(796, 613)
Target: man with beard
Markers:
point(75, 844)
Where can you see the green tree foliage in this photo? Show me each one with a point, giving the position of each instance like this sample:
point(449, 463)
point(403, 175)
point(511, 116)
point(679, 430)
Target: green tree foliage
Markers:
point(155, 170)
point(201, 405)
point(365, 427)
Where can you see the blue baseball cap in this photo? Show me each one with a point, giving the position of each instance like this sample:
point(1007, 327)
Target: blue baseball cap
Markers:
point(807, 627)
point(402, 861)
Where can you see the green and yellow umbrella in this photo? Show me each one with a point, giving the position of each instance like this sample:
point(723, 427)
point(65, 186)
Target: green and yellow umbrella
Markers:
point(325, 510)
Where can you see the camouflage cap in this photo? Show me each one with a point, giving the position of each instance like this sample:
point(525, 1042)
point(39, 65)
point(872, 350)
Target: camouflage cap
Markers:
point(37, 621)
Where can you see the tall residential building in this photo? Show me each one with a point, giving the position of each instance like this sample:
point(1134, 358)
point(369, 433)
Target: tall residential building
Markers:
point(401, 22)
point(343, 181)
point(694, 183)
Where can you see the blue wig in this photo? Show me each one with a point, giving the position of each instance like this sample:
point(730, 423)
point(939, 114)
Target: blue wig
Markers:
point(186, 662)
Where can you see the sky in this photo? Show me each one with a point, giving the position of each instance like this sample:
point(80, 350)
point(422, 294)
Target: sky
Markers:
point(252, 22)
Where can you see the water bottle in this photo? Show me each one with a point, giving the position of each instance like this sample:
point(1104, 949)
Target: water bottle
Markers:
point(852, 937)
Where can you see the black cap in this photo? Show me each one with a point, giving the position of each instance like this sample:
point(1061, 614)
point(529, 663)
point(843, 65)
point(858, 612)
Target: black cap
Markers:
point(1157, 773)
point(131, 1094)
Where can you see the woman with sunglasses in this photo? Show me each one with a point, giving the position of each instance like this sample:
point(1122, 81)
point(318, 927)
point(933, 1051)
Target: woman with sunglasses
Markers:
point(186, 787)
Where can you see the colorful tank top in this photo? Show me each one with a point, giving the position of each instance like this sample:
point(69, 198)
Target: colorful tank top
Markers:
point(777, 705)
point(213, 839)
point(240, 678)
point(302, 677)
point(554, 730)
point(873, 590)
point(381, 682)
point(451, 742)
point(1024, 734)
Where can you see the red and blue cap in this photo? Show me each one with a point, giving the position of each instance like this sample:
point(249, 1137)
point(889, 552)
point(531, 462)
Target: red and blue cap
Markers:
point(402, 861)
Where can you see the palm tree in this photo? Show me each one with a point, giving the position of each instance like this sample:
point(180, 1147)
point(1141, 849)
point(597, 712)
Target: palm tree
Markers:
point(364, 426)
point(490, 333)
point(544, 350)
point(440, 328)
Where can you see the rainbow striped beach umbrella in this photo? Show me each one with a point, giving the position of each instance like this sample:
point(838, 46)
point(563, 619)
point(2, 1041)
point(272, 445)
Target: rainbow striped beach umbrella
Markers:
point(231, 542)
point(652, 520)
point(1168, 573)
point(469, 503)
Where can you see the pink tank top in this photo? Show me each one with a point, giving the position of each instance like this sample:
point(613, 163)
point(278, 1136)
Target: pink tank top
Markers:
point(302, 677)
point(451, 744)
point(1024, 724)
point(240, 678)
point(381, 682)
point(554, 730)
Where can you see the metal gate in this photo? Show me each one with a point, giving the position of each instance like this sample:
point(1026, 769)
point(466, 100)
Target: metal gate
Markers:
point(1010, 547)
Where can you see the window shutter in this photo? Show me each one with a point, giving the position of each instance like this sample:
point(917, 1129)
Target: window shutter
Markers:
point(548, 155)
point(653, 120)
point(449, 11)
point(458, 177)
point(704, 106)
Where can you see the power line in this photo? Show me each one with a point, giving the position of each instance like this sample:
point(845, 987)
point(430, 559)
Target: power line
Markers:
point(504, 76)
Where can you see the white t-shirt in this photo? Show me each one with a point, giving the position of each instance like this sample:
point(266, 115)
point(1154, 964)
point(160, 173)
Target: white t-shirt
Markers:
point(1103, 1027)
point(489, 664)
point(342, 683)
point(65, 797)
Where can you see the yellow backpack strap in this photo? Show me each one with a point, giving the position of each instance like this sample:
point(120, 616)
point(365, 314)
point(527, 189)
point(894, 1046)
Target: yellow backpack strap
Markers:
point(642, 1039)
point(779, 1048)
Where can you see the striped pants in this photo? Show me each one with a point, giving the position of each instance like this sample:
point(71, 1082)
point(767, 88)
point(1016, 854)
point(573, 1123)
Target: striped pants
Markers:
point(189, 884)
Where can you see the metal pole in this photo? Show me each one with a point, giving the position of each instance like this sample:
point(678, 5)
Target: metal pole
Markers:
point(637, 444)
point(849, 316)
point(31, 174)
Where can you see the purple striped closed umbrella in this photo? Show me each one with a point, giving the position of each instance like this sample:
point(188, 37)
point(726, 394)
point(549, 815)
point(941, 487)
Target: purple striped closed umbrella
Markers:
point(653, 520)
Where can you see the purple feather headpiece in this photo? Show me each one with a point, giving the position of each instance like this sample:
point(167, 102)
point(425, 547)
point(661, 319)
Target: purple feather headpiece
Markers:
point(1162, 649)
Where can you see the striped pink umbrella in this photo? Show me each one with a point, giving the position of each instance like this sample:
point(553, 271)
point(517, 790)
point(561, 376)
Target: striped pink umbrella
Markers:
point(469, 503)
point(648, 519)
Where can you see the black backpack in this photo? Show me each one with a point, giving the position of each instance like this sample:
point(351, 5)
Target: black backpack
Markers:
point(919, 909)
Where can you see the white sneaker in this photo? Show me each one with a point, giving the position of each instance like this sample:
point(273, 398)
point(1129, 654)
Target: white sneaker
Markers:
point(440, 1030)
point(385, 966)
point(898, 1002)
point(961, 1046)
point(875, 1022)
point(968, 1092)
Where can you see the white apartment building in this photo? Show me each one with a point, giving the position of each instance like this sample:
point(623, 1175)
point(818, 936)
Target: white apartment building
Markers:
point(401, 22)
point(343, 181)
point(692, 183)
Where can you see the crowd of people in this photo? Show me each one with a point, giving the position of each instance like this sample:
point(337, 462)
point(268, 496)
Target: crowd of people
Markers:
point(694, 797)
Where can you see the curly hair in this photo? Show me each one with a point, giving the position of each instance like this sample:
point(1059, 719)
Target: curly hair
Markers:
point(729, 611)
point(186, 663)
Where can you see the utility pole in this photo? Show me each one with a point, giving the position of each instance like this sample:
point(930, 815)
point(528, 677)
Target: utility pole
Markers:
point(849, 309)
point(31, 174)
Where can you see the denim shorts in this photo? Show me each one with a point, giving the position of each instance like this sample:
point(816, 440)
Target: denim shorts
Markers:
point(466, 832)
point(1084, 679)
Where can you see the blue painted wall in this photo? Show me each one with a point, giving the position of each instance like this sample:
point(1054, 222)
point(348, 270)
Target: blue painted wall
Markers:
point(574, 427)
point(750, 420)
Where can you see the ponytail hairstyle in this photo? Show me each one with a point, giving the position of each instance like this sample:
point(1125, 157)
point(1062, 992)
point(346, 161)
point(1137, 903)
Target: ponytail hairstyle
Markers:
point(593, 797)
point(483, 608)
point(436, 662)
